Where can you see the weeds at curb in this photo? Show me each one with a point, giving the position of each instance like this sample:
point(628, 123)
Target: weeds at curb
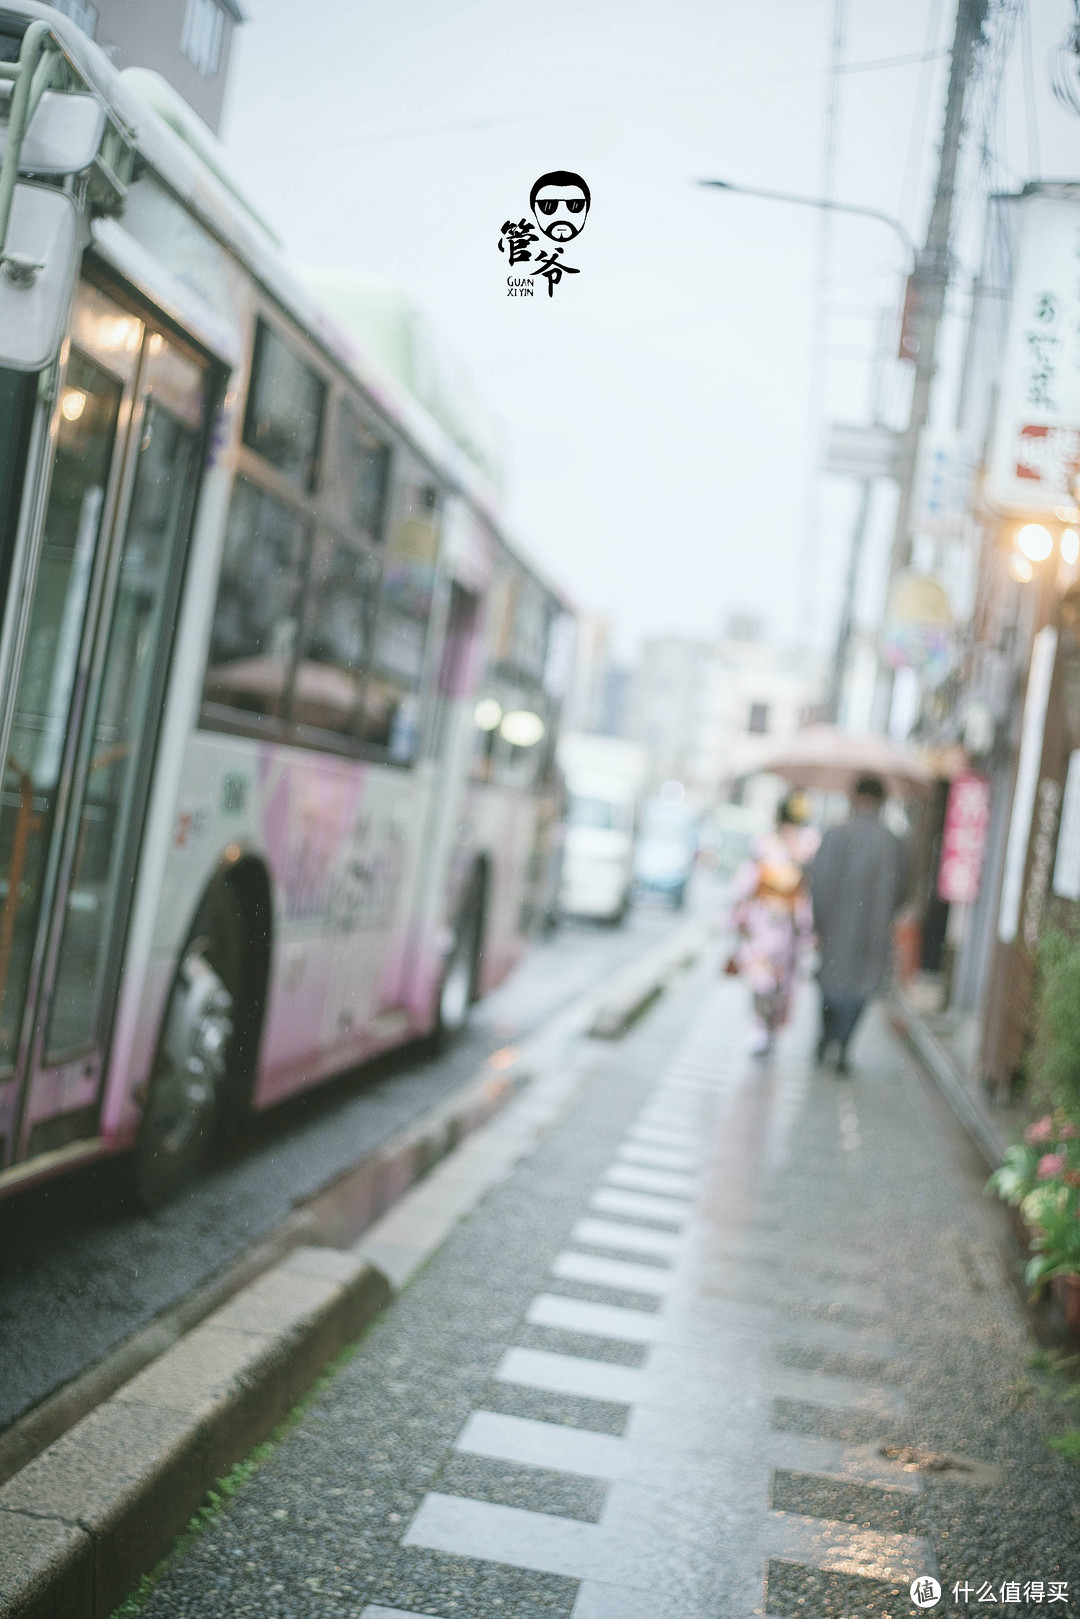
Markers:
point(219, 1498)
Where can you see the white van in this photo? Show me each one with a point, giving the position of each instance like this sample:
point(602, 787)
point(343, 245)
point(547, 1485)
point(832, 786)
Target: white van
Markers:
point(604, 778)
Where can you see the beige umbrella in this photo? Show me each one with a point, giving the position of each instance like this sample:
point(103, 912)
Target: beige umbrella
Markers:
point(825, 757)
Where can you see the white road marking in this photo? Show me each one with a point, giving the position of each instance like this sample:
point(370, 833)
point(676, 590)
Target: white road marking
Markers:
point(636, 1152)
point(640, 1205)
point(624, 1273)
point(850, 1139)
point(634, 1239)
point(600, 1320)
point(639, 1179)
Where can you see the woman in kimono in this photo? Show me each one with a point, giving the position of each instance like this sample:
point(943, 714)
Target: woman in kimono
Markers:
point(772, 917)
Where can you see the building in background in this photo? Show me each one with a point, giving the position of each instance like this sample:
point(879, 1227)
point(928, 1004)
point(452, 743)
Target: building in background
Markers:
point(670, 709)
point(763, 693)
point(597, 696)
point(710, 712)
point(186, 41)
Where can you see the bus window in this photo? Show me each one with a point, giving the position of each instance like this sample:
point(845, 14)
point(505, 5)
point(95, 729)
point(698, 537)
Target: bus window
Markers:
point(161, 502)
point(531, 619)
point(16, 395)
point(392, 694)
point(284, 409)
point(258, 604)
point(89, 406)
point(341, 599)
point(362, 473)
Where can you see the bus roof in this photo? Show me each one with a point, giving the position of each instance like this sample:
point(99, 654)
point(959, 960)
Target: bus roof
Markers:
point(188, 158)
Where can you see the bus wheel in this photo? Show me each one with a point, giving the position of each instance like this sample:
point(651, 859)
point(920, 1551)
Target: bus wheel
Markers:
point(188, 1084)
point(458, 988)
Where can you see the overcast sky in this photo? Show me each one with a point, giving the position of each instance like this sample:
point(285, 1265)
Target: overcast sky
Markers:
point(656, 414)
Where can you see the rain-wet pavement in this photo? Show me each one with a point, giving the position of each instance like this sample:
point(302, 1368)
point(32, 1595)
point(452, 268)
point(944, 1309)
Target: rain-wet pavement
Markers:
point(81, 1269)
point(735, 1340)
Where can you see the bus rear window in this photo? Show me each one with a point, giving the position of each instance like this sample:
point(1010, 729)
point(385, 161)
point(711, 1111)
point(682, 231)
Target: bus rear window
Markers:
point(363, 472)
point(258, 604)
point(285, 408)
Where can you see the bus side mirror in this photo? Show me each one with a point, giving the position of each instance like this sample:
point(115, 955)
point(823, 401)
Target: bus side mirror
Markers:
point(36, 269)
point(62, 137)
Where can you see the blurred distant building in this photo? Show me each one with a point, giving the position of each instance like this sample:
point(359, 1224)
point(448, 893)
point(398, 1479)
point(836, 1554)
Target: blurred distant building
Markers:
point(711, 711)
point(186, 41)
point(764, 693)
point(597, 697)
point(669, 708)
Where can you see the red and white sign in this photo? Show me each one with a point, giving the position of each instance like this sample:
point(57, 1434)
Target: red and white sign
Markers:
point(963, 841)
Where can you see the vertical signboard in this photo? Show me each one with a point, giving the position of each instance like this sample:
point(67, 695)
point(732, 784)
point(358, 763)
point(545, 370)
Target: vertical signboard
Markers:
point(1067, 865)
point(963, 839)
point(1032, 731)
point(1035, 447)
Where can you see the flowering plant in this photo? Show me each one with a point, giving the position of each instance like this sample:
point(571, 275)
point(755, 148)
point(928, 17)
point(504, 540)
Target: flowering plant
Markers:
point(1041, 1177)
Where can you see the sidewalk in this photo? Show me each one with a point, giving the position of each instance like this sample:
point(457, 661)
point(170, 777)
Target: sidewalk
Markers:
point(658, 1372)
point(947, 1043)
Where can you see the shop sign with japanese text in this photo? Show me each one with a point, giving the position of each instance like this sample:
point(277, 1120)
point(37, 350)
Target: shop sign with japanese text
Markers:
point(1035, 450)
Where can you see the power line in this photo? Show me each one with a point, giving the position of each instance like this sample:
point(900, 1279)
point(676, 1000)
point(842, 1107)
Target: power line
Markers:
point(512, 120)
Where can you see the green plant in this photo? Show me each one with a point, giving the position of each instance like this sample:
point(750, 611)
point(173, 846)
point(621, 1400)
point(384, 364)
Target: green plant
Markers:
point(1067, 1444)
point(1052, 1209)
point(1016, 1177)
point(1041, 1177)
point(1056, 1053)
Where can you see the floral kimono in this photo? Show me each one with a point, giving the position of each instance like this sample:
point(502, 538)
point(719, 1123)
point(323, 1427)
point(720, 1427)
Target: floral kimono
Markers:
point(772, 917)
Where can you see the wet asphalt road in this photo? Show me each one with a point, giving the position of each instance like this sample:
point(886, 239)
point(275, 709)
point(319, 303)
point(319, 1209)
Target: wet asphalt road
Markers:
point(80, 1270)
point(689, 1361)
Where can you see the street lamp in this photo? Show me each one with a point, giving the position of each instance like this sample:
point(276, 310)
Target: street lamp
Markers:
point(825, 203)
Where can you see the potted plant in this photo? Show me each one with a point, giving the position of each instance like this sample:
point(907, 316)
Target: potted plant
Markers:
point(1041, 1175)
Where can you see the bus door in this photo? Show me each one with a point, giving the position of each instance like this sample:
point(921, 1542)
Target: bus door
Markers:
point(87, 697)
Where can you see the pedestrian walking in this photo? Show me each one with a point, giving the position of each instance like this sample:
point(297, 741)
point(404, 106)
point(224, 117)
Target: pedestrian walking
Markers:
point(856, 887)
point(771, 916)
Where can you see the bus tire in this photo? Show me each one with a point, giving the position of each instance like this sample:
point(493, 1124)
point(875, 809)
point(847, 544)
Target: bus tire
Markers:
point(190, 1083)
point(457, 986)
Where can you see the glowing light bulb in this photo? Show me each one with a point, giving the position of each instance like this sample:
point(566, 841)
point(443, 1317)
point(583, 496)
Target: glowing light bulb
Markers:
point(1035, 541)
point(1070, 547)
point(487, 714)
point(522, 728)
point(73, 404)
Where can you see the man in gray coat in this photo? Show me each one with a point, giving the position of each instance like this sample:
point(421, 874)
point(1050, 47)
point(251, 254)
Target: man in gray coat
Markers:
point(856, 885)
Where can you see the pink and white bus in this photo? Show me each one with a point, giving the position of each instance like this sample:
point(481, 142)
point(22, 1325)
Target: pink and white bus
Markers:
point(278, 700)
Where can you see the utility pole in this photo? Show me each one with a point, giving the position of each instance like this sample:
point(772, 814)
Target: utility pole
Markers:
point(846, 628)
point(931, 276)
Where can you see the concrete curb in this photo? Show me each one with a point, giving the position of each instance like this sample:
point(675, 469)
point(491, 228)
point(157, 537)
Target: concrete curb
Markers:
point(82, 1521)
point(637, 984)
point(334, 1216)
point(937, 1063)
